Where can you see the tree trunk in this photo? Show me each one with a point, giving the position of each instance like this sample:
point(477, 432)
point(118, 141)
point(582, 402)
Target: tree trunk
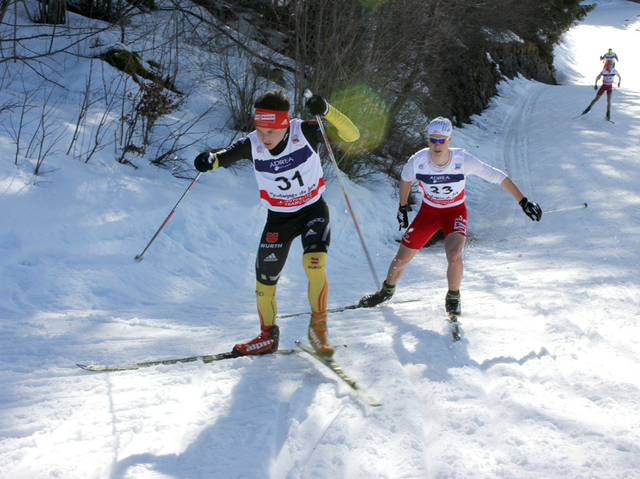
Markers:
point(54, 12)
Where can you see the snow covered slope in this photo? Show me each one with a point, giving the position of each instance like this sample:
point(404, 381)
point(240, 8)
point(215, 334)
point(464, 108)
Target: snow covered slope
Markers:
point(545, 382)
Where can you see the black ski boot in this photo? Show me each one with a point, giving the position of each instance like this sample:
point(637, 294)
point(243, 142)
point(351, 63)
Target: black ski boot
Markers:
point(371, 300)
point(452, 303)
point(586, 110)
point(608, 115)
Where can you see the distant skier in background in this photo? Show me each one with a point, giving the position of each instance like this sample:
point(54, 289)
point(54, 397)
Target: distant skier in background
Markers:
point(441, 172)
point(289, 174)
point(608, 76)
point(610, 58)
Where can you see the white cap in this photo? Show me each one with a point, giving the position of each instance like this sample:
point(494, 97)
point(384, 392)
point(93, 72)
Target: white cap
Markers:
point(440, 126)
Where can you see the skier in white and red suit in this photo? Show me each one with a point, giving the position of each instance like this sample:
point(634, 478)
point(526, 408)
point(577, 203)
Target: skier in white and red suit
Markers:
point(289, 173)
point(610, 57)
point(608, 75)
point(441, 172)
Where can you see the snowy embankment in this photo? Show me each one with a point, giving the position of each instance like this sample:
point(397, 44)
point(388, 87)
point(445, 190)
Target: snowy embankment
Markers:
point(544, 383)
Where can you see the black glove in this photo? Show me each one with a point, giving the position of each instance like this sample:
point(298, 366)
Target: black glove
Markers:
point(317, 105)
point(531, 209)
point(595, 87)
point(403, 219)
point(204, 161)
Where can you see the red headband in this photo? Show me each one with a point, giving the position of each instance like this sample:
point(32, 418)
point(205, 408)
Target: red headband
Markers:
point(271, 119)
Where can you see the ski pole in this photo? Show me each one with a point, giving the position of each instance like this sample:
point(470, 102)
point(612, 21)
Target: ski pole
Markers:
point(583, 205)
point(308, 94)
point(138, 258)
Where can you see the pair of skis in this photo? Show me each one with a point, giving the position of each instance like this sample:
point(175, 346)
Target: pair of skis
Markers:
point(228, 355)
point(582, 114)
point(328, 362)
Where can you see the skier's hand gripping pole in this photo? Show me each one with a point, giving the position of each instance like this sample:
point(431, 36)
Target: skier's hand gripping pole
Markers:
point(308, 95)
point(138, 258)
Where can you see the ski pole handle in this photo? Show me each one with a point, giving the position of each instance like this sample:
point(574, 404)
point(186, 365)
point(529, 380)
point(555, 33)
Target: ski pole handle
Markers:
point(583, 205)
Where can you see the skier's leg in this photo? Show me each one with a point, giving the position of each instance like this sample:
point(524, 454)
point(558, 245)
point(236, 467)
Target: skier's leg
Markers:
point(267, 304)
point(399, 263)
point(453, 246)
point(272, 255)
point(268, 339)
point(318, 290)
point(316, 238)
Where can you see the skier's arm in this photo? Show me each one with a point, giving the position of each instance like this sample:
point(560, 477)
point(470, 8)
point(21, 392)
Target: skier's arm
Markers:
point(346, 129)
point(210, 160)
point(405, 189)
point(402, 215)
point(598, 78)
point(318, 106)
point(512, 188)
point(473, 166)
point(530, 208)
point(240, 150)
point(619, 79)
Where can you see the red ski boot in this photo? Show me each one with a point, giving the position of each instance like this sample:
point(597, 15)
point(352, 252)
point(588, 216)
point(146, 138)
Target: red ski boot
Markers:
point(318, 335)
point(266, 343)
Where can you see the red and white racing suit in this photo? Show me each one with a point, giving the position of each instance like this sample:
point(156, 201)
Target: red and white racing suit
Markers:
point(608, 76)
point(443, 189)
